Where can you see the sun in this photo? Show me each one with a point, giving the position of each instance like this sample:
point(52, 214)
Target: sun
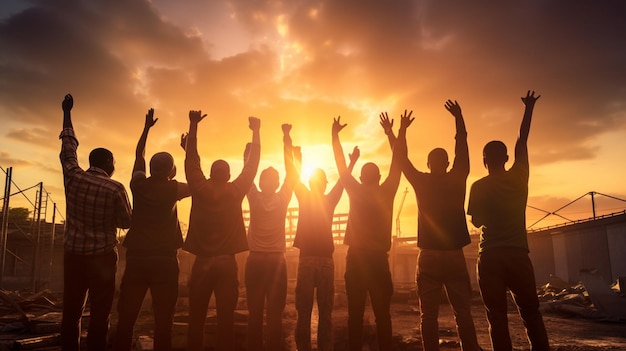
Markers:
point(316, 156)
point(305, 173)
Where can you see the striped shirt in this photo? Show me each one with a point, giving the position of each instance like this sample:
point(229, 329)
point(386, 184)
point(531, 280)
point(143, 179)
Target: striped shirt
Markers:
point(96, 205)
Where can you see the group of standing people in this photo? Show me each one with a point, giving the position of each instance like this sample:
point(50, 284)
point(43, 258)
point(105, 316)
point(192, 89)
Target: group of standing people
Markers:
point(97, 205)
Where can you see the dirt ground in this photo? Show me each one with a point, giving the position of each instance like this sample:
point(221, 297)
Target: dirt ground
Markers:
point(566, 333)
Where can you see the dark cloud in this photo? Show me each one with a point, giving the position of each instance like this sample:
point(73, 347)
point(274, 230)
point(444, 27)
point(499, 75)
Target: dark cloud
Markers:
point(484, 53)
point(93, 49)
point(305, 62)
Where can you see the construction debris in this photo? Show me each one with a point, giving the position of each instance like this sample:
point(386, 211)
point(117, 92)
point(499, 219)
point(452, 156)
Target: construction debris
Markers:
point(29, 320)
point(590, 298)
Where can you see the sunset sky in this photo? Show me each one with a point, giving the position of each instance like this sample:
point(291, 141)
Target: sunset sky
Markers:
point(305, 62)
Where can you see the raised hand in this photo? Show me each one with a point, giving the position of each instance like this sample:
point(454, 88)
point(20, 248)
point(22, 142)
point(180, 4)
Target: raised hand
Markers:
point(183, 141)
point(254, 123)
point(354, 156)
point(286, 128)
point(386, 123)
point(406, 120)
point(530, 98)
point(68, 103)
point(196, 116)
point(337, 126)
point(150, 120)
point(454, 108)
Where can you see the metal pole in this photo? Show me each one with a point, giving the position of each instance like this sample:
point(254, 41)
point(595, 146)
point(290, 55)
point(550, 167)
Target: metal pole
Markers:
point(38, 231)
point(5, 220)
point(52, 232)
point(593, 204)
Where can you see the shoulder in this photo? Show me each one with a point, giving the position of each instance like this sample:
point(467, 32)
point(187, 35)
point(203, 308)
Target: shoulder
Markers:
point(415, 176)
point(138, 177)
point(116, 185)
point(480, 183)
point(253, 193)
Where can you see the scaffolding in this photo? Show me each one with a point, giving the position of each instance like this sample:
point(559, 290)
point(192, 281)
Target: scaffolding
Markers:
point(36, 252)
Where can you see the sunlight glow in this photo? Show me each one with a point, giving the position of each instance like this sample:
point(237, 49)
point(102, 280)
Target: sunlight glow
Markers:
point(140, 87)
point(305, 174)
point(317, 156)
point(281, 26)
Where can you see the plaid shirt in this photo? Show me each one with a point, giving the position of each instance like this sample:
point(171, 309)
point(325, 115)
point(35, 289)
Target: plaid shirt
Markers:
point(96, 204)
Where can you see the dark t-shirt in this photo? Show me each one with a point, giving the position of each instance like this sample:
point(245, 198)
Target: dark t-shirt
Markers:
point(216, 224)
point(500, 200)
point(441, 201)
point(314, 236)
point(154, 229)
point(441, 210)
point(370, 216)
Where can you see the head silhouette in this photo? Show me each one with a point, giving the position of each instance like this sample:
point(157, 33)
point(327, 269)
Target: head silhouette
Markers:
point(103, 159)
point(220, 171)
point(370, 174)
point(495, 155)
point(318, 181)
point(162, 166)
point(269, 180)
point(438, 161)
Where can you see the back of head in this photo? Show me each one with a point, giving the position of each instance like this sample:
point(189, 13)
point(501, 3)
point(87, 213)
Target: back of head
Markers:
point(269, 180)
point(370, 174)
point(318, 181)
point(495, 154)
point(438, 160)
point(220, 171)
point(162, 165)
point(103, 159)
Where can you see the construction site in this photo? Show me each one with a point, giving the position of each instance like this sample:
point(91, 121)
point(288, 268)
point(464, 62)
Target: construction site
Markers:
point(579, 267)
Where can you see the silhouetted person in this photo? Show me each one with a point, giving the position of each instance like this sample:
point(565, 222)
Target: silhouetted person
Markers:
point(368, 235)
point(216, 233)
point(152, 244)
point(266, 268)
point(316, 267)
point(96, 206)
point(497, 203)
point(441, 233)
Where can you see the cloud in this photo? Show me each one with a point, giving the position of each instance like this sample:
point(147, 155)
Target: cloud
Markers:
point(6, 160)
point(38, 136)
point(305, 62)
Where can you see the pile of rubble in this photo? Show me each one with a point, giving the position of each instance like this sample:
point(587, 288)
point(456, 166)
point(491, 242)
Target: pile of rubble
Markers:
point(590, 298)
point(29, 320)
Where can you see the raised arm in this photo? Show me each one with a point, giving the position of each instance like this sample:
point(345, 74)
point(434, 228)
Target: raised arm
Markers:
point(69, 144)
point(252, 156)
point(193, 171)
point(399, 152)
point(461, 151)
point(340, 159)
point(288, 157)
point(521, 146)
point(191, 146)
point(140, 152)
point(387, 125)
point(335, 193)
point(183, 141)
point(406, 164)
point(67, 104)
